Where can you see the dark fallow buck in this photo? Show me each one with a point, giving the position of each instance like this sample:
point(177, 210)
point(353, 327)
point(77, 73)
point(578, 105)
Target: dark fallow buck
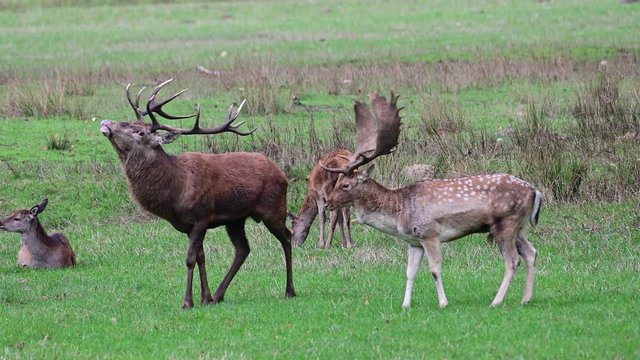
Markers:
point(319, 186)
point(430, 212)
point(38, 250)
point(197, 191)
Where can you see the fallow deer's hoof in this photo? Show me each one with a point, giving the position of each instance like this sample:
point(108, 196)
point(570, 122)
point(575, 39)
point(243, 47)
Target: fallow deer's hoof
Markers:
point(443, 305)
point(348, 245)
point(493, 305)
point(525, 301)
point(321, 246)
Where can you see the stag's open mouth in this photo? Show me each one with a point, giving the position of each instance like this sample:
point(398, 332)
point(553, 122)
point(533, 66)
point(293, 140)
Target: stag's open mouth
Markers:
point(104, 128)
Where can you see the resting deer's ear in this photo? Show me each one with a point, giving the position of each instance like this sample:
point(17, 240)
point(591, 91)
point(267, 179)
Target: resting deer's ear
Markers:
point(37, 209)
point(167, 138)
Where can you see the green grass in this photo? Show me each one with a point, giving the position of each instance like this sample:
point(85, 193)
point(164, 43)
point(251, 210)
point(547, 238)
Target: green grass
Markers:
point(123, 298)
point(183, 35)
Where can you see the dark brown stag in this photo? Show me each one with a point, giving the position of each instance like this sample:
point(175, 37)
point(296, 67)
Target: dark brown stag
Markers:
point(197, 191)
point(428, 213)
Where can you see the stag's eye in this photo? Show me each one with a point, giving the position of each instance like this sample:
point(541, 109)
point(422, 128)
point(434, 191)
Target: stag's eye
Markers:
point(16, 219)
point(140, 133)
point(346, 186)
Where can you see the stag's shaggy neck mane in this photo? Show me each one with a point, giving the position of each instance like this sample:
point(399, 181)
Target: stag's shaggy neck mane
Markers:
point(154, 180)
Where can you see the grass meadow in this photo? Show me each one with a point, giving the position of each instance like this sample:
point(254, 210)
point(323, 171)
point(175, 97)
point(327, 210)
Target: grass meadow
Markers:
point(548, 91)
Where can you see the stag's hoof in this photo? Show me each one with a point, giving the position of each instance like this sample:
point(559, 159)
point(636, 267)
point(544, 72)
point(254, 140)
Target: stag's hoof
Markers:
point(290, 293)
point(206, 300)
point(188, 304)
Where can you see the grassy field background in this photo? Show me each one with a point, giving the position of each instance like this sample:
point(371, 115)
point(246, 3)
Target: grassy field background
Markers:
point(547, 91)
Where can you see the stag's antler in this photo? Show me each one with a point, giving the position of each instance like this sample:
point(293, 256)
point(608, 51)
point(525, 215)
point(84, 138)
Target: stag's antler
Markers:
point(155, 107)
point(376, 132)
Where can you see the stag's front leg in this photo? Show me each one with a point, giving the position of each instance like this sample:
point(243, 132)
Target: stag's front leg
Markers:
point(204, 284)
point(193, 255)
point(413, 264)
point(432, 247)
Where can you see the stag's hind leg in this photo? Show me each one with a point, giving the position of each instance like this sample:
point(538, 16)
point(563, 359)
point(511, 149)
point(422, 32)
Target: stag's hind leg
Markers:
point(279, 230)
point(505, 235)
point(529, 254)
point(238, 237)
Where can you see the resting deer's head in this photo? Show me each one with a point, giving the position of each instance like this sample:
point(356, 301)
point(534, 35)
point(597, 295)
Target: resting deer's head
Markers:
point(137, 135)
point(21, 220)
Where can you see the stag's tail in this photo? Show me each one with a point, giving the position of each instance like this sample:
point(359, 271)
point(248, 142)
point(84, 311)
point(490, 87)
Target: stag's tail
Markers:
point(535, 210)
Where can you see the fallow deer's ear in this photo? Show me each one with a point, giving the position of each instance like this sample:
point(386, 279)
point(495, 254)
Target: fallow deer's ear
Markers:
point(37, 209)
point(364, 175)
point(167, 138)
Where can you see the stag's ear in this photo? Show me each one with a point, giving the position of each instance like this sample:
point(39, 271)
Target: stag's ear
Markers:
point(167, 137)
point(37, 209)
point(364, 175)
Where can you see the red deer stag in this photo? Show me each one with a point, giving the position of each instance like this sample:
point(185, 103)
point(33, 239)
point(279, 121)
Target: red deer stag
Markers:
point(196, 191)
point(320, 185)
point(38, 250)
point(428, 213)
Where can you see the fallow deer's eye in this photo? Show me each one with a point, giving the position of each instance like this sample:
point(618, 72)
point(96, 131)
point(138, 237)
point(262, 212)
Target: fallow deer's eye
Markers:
point(346, 186)
point(140, 133)
point(16, 219)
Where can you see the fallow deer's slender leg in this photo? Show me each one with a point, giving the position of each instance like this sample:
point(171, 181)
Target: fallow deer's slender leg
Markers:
point(507, 243)
point(195, 247)
point(528, 253)
point(323, 219)
point(239, 240)
point(432, 247)
point(346, 221)
point(335, 217)
point(413, 264)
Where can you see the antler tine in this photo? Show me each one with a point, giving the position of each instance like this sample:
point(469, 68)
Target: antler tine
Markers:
point(155, 107)
point(135, 105)
point(377, 132)
point(232, 115)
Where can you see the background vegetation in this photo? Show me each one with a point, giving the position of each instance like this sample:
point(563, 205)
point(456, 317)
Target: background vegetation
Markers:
point(547, 91)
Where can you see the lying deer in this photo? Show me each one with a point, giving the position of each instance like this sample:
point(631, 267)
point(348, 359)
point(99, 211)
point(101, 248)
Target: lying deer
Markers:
point(319, 186)
point(38, 250)
point(196, 191)
point(429, 213)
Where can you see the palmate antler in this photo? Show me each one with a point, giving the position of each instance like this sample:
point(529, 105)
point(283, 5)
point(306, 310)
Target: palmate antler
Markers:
point(155, 107)
point(377, 132)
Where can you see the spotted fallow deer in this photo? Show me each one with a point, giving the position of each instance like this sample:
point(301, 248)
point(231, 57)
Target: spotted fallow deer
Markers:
point(38, 250)
point(319, 186)
point(197, 191)
point(428, 213)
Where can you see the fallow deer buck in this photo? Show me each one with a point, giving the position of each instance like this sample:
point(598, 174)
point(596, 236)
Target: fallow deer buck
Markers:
point(430, 212)
point(196, 191)
point(319, 186)
point(38, 250)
